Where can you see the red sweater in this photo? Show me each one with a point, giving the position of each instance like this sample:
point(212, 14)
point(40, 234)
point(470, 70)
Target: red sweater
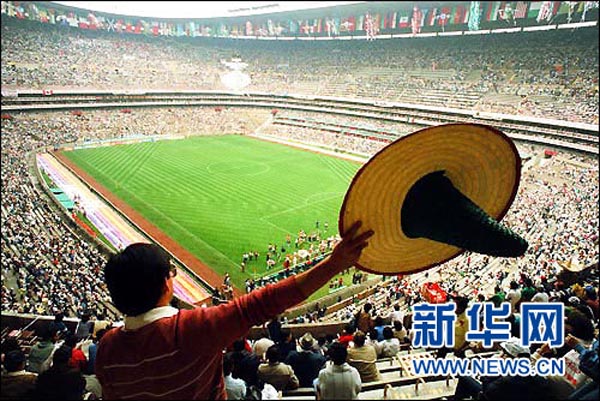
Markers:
point(180, 357)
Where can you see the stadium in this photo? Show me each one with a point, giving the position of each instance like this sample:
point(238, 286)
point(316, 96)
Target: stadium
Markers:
point(230, 142)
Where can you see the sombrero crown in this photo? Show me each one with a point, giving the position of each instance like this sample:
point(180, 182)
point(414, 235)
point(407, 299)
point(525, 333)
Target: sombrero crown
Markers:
point(433, 194)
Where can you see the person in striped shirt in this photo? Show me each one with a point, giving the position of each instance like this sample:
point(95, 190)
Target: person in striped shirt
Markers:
point(165, 353)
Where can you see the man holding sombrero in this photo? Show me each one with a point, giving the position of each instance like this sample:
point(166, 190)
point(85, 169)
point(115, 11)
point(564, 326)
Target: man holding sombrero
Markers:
point(417, 200)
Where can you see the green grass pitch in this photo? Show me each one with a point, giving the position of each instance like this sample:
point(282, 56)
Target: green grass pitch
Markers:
point(219, 196)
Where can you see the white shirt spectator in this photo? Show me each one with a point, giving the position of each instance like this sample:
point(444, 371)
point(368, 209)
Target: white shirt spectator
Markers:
point(236, 388)
point(339, 382)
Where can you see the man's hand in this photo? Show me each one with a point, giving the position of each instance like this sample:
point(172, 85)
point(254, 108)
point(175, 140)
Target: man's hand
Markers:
point(344, 255)
point(348, 251)
point(571, 341)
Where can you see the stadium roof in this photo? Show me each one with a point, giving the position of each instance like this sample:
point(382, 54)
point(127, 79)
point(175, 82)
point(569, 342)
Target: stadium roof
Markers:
point(198, 9)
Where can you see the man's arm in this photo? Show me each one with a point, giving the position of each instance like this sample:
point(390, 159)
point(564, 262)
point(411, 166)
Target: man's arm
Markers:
point(229, 321)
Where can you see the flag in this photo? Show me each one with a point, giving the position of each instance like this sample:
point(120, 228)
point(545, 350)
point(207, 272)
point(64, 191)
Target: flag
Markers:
point(83, 23)
point(249, 31)
point(493, 11)
point(444, 16)
point(474, 16)
point(293, 26)
point(417, 20)
point(534, 9)
point(404, 20)
point(180, 30)
point(521, 10)
point(348, 24)
point(564, 7)
point(545, 13)
point(431, 16)
point(360, 26)
point(392, 21)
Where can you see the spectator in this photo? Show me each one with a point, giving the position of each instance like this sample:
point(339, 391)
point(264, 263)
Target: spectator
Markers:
point(364, 322)
point(58, 325)
point(101, 323)
point(513, 296)
point(338, 380)
point(141, 286)
point(288, 342)
point(306, 363)
point(390, 345)
point(396, 315)
point(10, 344)
point(17, 384)
point(278, 374)
point(235, 388)
point(92, 351)
point(400, 332)
point(245, 363)
point(378, 328)
point(61, 381)
point(260, 347)
point(589, 365)
point(85, 327)
point(364, 357)
point(348, 334)
point(41, 352)
point(274, 327)
point(78, 360)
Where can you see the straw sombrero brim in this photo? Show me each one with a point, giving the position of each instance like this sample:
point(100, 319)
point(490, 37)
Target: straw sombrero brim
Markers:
point(482, 163)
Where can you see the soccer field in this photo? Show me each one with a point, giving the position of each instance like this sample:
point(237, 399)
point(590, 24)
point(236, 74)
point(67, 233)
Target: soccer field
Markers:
point(220, 196)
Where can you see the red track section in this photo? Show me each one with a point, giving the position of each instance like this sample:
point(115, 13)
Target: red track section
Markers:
point(202, 270)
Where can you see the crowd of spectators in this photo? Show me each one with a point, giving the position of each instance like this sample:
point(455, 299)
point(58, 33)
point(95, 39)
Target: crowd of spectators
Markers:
point(539, 69)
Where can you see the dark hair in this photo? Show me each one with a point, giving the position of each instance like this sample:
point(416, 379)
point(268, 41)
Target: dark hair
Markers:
point(100, 333)
point(581, 324)
point(349, 328)
point(285, 333)
point(378, 321)
point(338, 353)
point(388, 333)
point(239, 345)
point(273, 355)
point(368, 306)
point(59, 316)
point(397, 325)
point(135, 277)
point(14, 360)
point(227, 364)
point(461, 303)
point(45, 332)
point(514, 285)
point(397, 307)
point(10, 344)
point(70, 340)
point(359, 338)
point(62, 355)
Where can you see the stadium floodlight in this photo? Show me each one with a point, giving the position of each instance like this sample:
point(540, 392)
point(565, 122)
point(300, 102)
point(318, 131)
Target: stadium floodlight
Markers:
point(235, 79)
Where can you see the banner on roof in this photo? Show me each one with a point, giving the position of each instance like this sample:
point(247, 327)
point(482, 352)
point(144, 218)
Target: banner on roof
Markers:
point(328, 24)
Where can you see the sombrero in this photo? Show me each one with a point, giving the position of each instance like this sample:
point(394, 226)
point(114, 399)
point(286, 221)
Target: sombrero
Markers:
point(433, 194)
